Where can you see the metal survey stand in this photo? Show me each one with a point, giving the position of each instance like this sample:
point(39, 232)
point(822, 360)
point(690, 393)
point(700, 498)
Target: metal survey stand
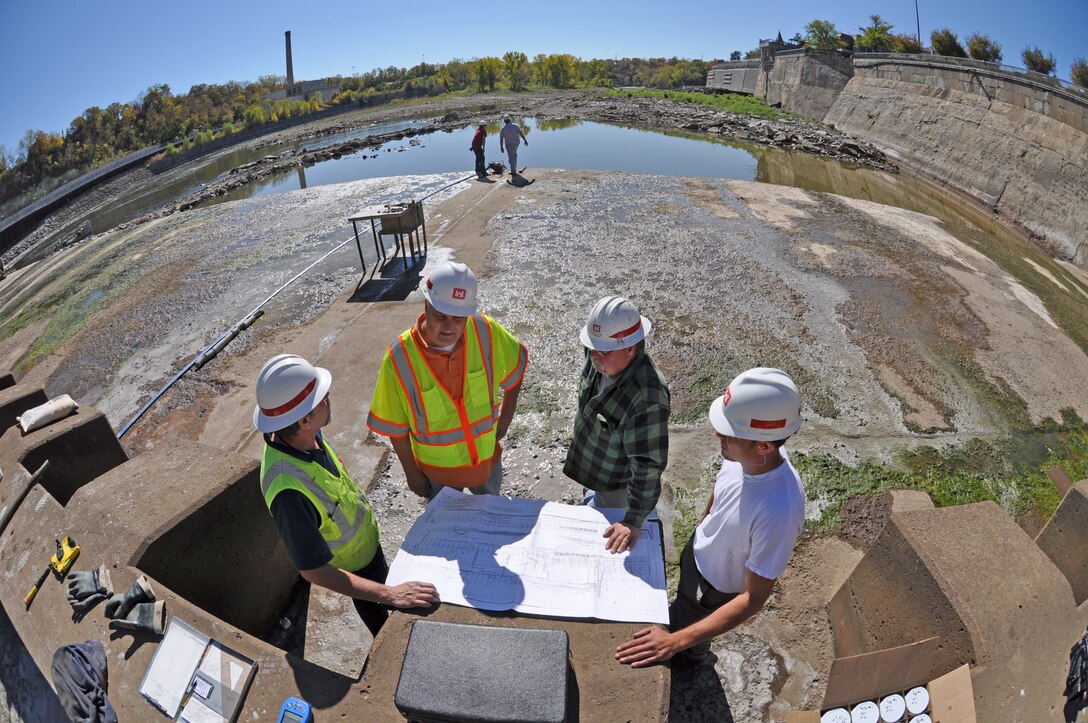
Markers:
point(403, 221)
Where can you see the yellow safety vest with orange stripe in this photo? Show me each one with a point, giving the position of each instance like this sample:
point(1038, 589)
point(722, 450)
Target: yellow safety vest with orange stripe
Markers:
point(409, 399)
point(347, 520)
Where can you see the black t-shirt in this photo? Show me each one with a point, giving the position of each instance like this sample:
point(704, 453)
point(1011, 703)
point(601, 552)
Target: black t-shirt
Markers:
point(296, 517)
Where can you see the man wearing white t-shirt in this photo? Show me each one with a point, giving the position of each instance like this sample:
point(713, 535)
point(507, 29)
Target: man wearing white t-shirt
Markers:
point(754, 516)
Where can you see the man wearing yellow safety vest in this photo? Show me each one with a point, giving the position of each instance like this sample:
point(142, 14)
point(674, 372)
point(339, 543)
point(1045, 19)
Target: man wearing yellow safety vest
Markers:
point(325, 520)
point(437, 396)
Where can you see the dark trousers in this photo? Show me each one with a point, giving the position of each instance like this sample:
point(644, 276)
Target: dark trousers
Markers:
point(481, 169)
point(695, 599)
point(373, 614)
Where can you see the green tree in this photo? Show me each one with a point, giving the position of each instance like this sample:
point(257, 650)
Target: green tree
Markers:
point(902, 43)
point(945, 42)
point(486, 71)
point(1036, 61)
point(981, 47)
point(753, 54)
point(875, 38)
point(514, 66)
point(1078, 72)
point(735, 55)
point(822, 35)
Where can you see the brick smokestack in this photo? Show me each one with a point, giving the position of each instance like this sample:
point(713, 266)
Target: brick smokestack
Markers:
point(290, 70)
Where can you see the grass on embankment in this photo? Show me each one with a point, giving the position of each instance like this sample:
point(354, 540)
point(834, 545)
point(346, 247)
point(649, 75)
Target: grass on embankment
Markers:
point(729, 102)
point(1010, 471)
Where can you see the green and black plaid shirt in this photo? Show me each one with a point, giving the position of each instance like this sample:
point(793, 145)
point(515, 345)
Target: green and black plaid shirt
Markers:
point(621, 436)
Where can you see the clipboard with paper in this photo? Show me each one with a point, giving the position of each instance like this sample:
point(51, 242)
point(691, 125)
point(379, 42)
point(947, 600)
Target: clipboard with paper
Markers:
point(197, 679)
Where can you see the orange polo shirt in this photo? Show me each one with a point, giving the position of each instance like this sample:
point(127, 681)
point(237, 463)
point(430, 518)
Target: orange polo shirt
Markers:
point(449, 369)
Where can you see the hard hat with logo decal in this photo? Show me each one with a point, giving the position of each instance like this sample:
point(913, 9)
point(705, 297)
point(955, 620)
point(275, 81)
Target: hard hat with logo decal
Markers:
point(761, 404)
point(614, 324)
point(288, 388)
point(451, 289)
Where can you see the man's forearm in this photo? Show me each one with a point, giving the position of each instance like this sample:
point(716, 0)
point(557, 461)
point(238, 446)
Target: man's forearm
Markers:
point(345, 583)
point(506, 412)
point(402, 446)
point(722, 620)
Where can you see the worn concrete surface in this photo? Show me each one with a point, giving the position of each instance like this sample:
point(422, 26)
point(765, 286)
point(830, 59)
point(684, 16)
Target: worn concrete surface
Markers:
point(970, 575)
point(876, 312)
point(1020, 151)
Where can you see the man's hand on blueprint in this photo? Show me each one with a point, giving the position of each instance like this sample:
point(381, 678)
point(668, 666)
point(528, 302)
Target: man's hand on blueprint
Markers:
point(411, 595)
point(621, 537)
point(648, 646)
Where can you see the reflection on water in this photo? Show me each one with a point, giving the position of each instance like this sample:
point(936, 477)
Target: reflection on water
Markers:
point(562, 143)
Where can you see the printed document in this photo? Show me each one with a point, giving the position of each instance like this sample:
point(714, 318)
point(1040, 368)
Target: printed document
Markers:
point(530, 556)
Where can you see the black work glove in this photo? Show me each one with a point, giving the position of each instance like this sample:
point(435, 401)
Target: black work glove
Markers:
point(118, 606)
point(147, 617)
point(87, 588)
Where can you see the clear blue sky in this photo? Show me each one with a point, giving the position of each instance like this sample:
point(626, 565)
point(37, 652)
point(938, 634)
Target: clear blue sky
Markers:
point(60, 57)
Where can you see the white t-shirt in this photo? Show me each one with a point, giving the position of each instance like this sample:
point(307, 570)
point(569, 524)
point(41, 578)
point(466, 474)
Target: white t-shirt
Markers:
point(753, 524)
point(510, 134)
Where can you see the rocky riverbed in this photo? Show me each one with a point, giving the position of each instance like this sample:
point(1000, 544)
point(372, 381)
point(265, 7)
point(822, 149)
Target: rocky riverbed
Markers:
point(457, 113)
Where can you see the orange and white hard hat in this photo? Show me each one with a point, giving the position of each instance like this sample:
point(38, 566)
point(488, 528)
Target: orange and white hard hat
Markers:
point(288, 388)
point(761, 404)
point(451, 289)
point(614, 323)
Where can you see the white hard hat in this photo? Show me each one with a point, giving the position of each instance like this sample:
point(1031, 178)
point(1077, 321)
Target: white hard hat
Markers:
point(761, 404)
point(451, 289)
point(613, 324)
point(482, 123)
point(288, 388)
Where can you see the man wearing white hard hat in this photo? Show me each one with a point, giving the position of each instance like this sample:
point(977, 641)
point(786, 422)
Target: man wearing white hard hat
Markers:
point(448, 388)
point(754, 516)
point(620, 444)
point(325, 520)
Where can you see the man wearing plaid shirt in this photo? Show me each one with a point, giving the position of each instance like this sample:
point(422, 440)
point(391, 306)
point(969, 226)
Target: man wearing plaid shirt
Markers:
point(621, 431)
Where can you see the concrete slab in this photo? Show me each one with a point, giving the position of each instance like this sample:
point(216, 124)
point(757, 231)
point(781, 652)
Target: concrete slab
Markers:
point(601, 688)
point(907, 500)
point(970, 575)
point(1064, 539)
point(16, 399)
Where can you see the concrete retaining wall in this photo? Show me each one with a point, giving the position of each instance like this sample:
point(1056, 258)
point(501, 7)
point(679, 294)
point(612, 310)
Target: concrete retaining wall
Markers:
point(740, 76)
point(805, 83)
point(1013, 145)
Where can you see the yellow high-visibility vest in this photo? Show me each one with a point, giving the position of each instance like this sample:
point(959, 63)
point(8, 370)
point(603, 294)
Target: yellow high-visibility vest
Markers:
point(347, 520)
point(409, 399)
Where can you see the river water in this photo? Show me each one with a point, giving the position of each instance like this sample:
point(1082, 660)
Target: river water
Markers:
point(559, 144)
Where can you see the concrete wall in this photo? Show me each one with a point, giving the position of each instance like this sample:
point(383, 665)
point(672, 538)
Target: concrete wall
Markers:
point(1017, 147)
point(804, 82)
point(970, 575)
point(739, 76)
point(1064, 539)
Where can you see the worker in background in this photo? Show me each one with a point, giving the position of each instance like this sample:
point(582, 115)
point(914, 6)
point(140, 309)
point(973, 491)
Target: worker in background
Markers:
point(620, 443)
point(438, 391)
point(477, 147)
point(510, 136)
point(325, 520)
point(746, 537)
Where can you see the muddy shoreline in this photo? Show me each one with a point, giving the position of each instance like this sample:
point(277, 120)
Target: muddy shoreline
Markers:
point(458, 113)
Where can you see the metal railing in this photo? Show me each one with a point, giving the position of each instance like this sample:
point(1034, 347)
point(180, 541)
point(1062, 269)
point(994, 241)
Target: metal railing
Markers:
point(1049, 81)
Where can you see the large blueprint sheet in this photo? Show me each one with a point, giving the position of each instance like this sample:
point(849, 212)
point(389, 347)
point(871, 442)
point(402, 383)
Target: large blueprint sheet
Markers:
point(542, 558)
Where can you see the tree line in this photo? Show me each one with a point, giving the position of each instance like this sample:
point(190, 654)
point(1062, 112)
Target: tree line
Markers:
point(877, 37)
point(157, 116)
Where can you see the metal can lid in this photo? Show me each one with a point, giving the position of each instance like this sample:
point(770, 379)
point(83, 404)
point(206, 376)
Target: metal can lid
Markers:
point(923, 718)
point(918, 700)
point(836, 715)
point(866, 712)
point(892, 708)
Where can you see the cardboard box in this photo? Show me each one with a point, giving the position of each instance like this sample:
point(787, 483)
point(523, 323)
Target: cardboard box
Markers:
point(873, 675)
